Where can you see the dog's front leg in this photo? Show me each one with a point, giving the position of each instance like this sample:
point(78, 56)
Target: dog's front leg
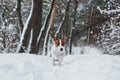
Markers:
point(60, 60)
point(59, 63)
point(53, 62)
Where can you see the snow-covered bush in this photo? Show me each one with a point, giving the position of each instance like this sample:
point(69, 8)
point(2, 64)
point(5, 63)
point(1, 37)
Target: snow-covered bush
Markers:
point(110, 32)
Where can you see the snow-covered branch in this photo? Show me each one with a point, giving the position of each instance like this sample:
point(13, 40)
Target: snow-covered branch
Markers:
point(108, 11)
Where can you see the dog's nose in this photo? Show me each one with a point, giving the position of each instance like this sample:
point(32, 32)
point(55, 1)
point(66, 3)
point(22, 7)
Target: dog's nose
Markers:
point(61, 49)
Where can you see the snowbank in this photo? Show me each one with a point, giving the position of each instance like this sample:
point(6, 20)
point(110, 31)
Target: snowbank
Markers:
point(74, 67)
point(87, 50)
point(15, 67)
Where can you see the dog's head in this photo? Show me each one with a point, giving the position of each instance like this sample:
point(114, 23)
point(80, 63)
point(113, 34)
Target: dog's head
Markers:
point(60, 43)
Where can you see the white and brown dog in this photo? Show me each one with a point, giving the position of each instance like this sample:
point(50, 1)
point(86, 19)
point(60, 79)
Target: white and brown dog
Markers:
point(58, 51)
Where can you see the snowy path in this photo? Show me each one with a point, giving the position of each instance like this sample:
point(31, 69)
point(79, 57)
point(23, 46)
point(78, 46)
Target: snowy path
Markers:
point(74, 67)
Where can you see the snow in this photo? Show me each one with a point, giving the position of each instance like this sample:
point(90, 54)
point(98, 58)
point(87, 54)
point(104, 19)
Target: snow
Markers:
point(87, 66)
point(99, 9)
point(31, 38)
point(15, 67)
point(80, 7)
point(11, 27)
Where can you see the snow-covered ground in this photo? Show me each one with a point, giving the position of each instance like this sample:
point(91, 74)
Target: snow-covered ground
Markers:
point(74, 67)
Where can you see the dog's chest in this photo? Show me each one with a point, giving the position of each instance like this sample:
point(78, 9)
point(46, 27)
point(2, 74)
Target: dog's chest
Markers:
point(57, 52)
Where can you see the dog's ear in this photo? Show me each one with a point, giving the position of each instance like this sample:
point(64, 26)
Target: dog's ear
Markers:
point(56, 40)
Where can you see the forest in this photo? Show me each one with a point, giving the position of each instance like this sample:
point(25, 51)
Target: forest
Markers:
point(28, 26)
point(59, 39)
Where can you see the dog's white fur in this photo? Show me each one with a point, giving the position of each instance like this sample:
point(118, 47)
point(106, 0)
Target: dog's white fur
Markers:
point(57, 54)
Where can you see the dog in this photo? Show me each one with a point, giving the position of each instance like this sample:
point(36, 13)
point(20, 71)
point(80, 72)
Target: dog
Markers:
point(58, 50)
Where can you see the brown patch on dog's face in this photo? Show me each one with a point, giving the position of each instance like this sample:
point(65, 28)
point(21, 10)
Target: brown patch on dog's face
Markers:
point(57, 42)
point(64, 40)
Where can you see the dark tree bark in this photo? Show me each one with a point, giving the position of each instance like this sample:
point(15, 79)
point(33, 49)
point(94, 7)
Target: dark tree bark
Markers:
point(35, 24)
point(73, 26)
point(90, 28)
point(19, 15)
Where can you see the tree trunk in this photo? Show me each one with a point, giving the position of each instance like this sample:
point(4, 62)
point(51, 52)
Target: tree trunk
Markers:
point(73, 26)
point(36, 23)
point(90, 28)
point(33, 22)
point(19, 15)
point(44, 30)
point(49, 27)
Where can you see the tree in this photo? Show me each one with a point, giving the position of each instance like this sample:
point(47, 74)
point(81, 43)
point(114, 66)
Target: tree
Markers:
point(49, 27)
point(73, 26)
point(19, 15)
point(32, 28)
point(110, 30)
point(43, 36)
point(8, 26)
